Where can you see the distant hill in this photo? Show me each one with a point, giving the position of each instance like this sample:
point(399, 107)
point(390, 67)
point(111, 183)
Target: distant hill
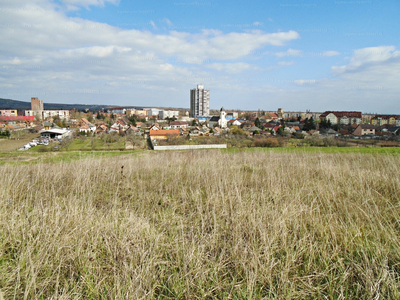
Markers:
point(14, 104)
point(23, 105)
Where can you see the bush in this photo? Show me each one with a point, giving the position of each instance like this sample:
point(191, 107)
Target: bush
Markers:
point(261, 143)
point(273, 142)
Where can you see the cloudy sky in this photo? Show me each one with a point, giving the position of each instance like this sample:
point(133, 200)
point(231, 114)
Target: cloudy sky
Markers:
point(294, 54)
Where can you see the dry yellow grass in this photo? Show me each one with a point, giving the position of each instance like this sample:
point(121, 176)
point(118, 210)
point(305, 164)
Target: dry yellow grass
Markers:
point(202, 225)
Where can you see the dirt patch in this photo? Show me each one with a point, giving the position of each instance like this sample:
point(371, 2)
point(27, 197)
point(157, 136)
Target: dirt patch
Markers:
point(8, 145)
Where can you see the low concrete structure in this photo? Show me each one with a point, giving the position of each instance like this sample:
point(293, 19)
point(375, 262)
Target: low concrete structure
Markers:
point(55, 133)
point(190, 147)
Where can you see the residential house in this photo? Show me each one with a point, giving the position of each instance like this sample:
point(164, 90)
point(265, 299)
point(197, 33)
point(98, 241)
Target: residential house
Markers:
point(101, 129)
point(133, 130)
point(178, 125)
point(292, 129)
point(234, 122)
point(395, 130)
point(276, 128)
point(213, 121)
point(365, 129)
point(119, 126)
point(86, 126)
point(155, 126)
point(253, 129)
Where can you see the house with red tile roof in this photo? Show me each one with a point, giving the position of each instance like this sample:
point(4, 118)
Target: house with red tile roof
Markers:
point(235, 122)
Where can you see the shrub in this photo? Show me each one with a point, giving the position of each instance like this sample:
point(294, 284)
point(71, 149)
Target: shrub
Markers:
point(273, 142)
point(261, 142)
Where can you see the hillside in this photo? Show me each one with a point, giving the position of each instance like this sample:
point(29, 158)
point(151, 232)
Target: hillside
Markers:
point(22, 105)
point(144, 226)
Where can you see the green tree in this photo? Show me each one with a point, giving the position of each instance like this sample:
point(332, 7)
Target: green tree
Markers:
point(309, 124)
point(90, 117)
point(132, 120)
point(170, 119)
point(236, 130)
point(257, 123)
point(325, 124)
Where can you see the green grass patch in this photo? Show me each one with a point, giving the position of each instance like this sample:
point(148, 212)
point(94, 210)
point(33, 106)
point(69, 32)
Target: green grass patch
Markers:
point(96, 143)
point(29, 157)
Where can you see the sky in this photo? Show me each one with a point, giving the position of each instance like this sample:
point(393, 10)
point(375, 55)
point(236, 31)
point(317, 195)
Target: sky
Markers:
point(296, 55)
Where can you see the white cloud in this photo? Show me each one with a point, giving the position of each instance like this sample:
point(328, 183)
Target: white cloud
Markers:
point(153, 24)
point(257, 23)
point(285, 63)
point(290, 52)
point(368, 57)
point(330, 53)
point(231, 68)
point(72, 58)
point(87, 3)
point(305, 81)
point(91, 62)
point(169, 23)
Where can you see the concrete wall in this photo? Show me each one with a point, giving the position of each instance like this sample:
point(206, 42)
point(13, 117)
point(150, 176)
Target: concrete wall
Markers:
point(190, 147)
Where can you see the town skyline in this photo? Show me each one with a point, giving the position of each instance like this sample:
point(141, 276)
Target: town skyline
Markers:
point(338, 55)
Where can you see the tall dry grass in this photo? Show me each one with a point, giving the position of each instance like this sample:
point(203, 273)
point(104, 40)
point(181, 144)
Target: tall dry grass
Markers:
point(202, 225)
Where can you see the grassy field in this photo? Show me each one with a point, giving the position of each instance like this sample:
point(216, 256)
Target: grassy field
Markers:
point(202, 225)
point(97, 143)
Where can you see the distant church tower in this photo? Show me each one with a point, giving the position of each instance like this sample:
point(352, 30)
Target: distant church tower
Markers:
point(222, 122)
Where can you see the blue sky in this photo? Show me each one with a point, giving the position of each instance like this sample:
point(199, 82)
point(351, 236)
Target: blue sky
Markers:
point(298, 55)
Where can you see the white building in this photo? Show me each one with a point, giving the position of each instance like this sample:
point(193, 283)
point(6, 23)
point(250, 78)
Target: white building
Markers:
point(44, 114)
point(163, 114)
point(55, 133)
point(153, 111)
point(199, 102)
